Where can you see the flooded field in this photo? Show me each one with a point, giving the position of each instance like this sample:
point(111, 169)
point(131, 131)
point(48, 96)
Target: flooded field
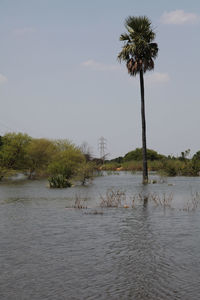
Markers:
point(50, 250)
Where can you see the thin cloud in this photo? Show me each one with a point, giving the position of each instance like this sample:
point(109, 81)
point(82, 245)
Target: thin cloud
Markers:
point(157, 78)
point(3, 79)
point(24, 31)
point(92, 64)
point(179, 17)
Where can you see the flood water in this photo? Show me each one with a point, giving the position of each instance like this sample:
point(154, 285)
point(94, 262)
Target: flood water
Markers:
point(49, 250)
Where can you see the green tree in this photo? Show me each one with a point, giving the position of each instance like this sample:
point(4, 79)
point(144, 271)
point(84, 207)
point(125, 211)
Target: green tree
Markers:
point(1, 141)
point(66, 164)
point(139, 52)
point(86, 171)
point(40, 153)
point(137, 155)
point(14, 151)
point(196, 163)
point(196, 156)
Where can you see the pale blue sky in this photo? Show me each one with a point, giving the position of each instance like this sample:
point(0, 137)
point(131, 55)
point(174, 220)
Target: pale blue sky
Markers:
point(59, 76)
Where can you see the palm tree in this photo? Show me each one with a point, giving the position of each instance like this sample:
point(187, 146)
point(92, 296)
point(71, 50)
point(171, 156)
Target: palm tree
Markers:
point(139, 52)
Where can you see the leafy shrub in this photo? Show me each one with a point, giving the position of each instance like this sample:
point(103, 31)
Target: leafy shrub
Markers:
point(172, 167)
point(13, 151)
point(65, 165)
point(40, 152)
point(58, 181)
point(86, 172)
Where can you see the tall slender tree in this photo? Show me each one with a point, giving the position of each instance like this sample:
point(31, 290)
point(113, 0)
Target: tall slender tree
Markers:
point(139, 52)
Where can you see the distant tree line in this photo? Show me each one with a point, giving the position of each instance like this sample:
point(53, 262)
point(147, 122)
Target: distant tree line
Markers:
point(165, 165)
point(64, 163)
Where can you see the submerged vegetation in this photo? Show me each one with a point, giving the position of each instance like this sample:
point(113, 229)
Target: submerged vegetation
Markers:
point(116, 198)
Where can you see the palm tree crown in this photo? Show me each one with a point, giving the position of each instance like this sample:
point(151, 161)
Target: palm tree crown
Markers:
point(139, 50)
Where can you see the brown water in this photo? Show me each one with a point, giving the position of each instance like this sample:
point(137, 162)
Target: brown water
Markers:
point(48, 251)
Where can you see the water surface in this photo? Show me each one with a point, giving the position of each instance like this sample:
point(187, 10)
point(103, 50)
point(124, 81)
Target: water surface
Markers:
point(51, 251)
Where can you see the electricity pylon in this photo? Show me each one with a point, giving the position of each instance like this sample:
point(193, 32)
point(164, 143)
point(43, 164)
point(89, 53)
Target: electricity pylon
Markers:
point(102, 147)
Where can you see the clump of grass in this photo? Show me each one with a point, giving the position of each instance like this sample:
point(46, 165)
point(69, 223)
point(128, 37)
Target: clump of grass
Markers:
point(138, 199)
point(164, 200)
point(79, 202)
point(160, 180)
point(193, 203)
point(113, 198)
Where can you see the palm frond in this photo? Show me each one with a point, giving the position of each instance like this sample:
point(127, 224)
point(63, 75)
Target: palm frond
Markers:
point(139, 50)
point(124, 37)
point(133, 66)
point(127, 51)
point(154, 49)
point(138, 24)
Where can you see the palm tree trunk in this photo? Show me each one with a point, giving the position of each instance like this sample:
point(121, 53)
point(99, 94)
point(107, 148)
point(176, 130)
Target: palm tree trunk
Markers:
point(144, 146)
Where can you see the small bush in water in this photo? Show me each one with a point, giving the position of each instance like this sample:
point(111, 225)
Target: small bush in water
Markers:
point(58, 181)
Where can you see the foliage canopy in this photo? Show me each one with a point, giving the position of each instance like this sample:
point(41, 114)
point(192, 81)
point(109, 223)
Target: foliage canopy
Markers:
point(139, 50)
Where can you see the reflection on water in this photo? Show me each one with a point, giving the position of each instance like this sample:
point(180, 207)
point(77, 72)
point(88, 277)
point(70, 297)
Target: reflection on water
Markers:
point(50, 252)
